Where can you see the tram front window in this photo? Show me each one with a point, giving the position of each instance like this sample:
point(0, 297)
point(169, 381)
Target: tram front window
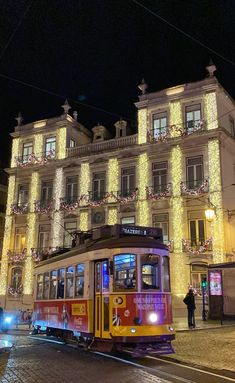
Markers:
point(70, 282)
point(79, 281)
point(150, 272)
point(60, 289)
point(124, 272)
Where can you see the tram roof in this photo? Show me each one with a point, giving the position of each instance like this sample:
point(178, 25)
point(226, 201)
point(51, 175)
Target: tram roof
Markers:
point(108, 243)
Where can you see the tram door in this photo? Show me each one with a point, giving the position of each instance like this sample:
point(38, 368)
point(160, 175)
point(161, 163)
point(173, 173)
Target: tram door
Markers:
point(102, 317)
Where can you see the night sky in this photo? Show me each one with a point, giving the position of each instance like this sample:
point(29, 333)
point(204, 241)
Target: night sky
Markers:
point(96, 53)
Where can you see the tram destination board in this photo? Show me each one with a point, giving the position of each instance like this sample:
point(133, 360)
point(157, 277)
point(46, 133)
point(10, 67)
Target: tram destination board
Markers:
point(143, 231)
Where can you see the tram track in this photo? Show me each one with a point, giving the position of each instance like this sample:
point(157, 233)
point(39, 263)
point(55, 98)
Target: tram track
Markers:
point(171, 371)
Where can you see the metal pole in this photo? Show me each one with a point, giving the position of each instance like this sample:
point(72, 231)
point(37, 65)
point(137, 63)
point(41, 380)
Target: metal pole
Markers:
point(203, 304)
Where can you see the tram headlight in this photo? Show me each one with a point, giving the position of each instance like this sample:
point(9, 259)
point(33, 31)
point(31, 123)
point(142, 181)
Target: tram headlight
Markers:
point(170, 328)
point(8, 319)
point(133, 330)
point(153, 317)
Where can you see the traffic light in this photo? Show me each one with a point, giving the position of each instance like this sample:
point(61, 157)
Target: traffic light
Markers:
point(204, 283)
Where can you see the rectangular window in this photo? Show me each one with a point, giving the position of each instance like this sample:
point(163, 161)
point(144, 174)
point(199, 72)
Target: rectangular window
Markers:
point(150, 272)
point(72, 143)
point(20, 238)
point(98, 186)
point(70, 282)
point(40, 286)
point(50, 146)
point(71, 189)
point(232, 126)
point(194, 171)
point(128, 181)
point(79, 280)
point(197, 232)
point(70, 227)
point(61, 280)
point(44, 237)
point(161, 220)
point(193, 118)
point(46, 192)
point(27, 151)
point(159, 124)
point(46, 285)
point(124, 272)
point(23, 194)
point(159, 177)
point(53, 284)
point(128, 221)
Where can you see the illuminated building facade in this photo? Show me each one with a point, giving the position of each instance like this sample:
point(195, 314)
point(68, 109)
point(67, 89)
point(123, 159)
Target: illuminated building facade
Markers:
point(181, 159)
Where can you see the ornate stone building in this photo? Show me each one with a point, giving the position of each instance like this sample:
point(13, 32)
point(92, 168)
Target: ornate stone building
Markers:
point(180, 161)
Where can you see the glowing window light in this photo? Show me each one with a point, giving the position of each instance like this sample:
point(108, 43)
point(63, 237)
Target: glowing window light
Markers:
point(57, 229)
point(84, 224)
point(113, 175)
point(38, 144)
point(211, 110)
point(142, 126)
point(4, 261)
point(84, 178)
point(175, 117)
point(112, 216)
point(61, 146)
point(15, 151)
point(216, 199)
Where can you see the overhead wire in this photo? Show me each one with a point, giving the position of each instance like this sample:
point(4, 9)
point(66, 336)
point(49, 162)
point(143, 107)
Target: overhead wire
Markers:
point(183, 32)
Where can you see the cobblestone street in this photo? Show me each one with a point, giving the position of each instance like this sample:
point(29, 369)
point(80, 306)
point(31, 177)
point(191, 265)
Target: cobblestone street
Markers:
point(210, 348)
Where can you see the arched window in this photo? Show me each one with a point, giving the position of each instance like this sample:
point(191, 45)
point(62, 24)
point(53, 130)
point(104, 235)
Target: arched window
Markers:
point(16, 278)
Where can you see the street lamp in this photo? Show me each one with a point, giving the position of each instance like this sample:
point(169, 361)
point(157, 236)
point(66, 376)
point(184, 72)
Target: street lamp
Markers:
point(210, 213)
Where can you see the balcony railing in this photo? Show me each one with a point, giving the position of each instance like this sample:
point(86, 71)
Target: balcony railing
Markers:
point(97, 147)
point(173, 131)
point(97, 199)
point(19, 208)
point(158, 192)
point(35, 158)
point(197, 246)
point(17, 255)
point(43, 207)
point(194, 187)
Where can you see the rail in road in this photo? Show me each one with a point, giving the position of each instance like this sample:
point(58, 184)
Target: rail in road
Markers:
point(171, 371)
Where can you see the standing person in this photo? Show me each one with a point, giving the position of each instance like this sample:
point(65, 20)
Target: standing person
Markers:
point(1, 317)
point(189, 300)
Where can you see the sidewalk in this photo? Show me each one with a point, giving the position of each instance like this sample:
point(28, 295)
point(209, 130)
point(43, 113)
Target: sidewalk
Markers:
point(181, 324)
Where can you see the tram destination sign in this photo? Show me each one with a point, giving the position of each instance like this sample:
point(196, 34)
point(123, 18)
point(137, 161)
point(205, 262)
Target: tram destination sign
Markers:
point(141, 230)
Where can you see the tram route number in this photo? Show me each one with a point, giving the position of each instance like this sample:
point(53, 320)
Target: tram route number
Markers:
point(119, 301)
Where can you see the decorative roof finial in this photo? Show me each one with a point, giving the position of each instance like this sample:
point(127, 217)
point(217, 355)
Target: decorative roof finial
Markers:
point(143, 86)
point(75, 115)
point(66, 106)
point(19, 119)
point(211, 68)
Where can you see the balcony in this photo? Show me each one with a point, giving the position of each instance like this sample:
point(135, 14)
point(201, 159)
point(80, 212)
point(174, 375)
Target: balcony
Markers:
point(168, 133)
point(17, 255)
point(35, 159)
point(94, 199)
point(158, 192)
point(195, 187)
point(43, 207)
point(19, 208)
point(98, 147)
point(198, 247)
point(43, 253)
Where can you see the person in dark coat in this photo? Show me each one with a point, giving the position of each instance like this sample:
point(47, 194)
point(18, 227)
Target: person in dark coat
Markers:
point(189, 300)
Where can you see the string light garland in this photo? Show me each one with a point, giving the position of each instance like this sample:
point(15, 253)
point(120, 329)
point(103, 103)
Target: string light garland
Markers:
point(175, 118)
point(16, 257)
point(84, 220)
point(15, 291)
point(215, 194)
point(113, 176)
point(19, 209)
point(203, 188)
point(142, 126)
point(5, 248)
point(152, 195)
point(211, 113)
point(15, 151)
point(41, 208)
point(112, 216)
point(57, 230)
point(143, 180)
point(61, 137)
point(202, 248)
point(84, 178)
point(33, 159)
point(38, 143)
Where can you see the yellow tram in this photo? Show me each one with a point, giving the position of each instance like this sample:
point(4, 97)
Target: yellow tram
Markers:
point(110, 292)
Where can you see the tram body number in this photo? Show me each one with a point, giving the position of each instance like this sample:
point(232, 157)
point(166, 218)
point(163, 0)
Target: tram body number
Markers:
point(119, 301)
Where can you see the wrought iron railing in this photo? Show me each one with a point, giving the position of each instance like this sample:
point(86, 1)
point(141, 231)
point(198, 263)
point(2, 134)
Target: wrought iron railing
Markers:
point(173, 131)
point(158, 192)
point(43, 207)
point(17, 255)
point(19, 208)
point(195, 187)
point(35, 158)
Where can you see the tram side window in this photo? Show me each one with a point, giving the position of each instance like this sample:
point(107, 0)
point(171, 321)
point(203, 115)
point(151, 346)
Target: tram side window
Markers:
point(70, 282)
point(46, 285)
point(60, 289)
point(124, 272)
point(165, 274)
point(53, 284)
point(40, 286)
point(150, 272)
point(79, 280)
